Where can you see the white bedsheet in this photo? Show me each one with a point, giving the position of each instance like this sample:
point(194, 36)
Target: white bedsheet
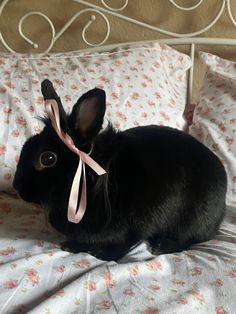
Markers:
point(36, 276)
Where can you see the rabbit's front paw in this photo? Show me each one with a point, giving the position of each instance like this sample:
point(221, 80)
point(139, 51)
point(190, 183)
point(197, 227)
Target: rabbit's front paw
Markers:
point(71, 246)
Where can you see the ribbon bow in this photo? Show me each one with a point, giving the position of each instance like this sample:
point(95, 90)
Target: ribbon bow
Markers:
point(73, 214)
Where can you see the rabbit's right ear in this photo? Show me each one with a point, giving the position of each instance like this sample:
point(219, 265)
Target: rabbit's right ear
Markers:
point(49, 92)
point(87, 115)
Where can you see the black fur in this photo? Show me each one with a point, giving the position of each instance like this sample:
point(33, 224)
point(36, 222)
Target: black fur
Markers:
point(161, 185)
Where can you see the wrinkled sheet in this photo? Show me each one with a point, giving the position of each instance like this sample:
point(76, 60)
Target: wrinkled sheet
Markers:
point(36, 276)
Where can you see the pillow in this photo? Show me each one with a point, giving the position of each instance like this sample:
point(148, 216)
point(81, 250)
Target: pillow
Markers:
point(145, 84)
point(214, 118)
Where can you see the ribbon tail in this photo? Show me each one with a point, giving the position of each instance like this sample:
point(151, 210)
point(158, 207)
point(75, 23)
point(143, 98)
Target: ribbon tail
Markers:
point(74, 193)
point(72, 215)
point(92, 164)
point(83, 198)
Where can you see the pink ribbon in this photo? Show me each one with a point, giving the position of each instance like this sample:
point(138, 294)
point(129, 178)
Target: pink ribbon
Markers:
point(73, 214)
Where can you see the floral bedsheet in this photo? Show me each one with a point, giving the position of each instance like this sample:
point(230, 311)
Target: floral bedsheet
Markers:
point(36, 276)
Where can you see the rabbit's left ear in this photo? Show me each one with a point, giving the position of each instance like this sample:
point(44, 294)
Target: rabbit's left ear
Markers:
point(49, 92)
point(88, 113)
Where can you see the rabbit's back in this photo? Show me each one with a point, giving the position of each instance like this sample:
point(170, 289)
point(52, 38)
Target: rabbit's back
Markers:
point(167, 182)
point(162, 156)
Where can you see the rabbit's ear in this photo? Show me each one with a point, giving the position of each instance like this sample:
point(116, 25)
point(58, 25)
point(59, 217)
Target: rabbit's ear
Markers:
point(87, 114)
point(49, 92)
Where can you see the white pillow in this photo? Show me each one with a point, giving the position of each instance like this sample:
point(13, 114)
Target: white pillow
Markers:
point(145, 84)
point(214, 118)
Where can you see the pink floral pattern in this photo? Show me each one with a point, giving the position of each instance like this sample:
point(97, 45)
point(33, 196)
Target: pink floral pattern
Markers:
point(36, 275)
point(214, 121)
point(32, 265)
point(11, 284)
point(91, 286)
point(109, 280)
point(144, 85)
point(32, 276)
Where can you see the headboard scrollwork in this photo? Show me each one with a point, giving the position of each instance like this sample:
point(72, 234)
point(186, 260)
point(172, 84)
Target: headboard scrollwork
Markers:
point(104, 11)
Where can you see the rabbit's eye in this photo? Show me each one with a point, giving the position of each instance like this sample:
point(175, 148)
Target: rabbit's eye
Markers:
point(47, 159)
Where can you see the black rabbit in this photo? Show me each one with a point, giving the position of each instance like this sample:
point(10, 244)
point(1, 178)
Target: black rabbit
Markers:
point(161, 185)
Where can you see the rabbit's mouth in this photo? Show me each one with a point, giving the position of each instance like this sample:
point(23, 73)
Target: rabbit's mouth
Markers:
point(28, 196)
point(25, 190)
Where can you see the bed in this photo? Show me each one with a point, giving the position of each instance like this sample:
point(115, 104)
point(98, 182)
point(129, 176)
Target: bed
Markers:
point(151, 81)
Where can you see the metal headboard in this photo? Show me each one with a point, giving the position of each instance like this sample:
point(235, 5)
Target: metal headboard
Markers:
point(105, 10)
